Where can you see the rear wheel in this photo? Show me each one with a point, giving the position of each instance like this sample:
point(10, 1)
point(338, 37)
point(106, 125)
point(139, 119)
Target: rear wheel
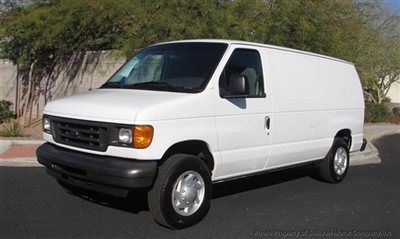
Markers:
point(181, 193)
point(334, 167)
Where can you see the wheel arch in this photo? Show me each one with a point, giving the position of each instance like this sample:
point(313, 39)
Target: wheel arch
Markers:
point(197, 148)
point(346, 135)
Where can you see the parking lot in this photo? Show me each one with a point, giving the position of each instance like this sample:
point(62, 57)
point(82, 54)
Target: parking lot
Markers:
point(291, 203)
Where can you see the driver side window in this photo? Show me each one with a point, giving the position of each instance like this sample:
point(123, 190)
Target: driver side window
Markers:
point(247, 63)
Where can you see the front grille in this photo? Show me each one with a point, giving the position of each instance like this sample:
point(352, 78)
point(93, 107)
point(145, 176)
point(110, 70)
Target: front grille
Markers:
point(79, 133)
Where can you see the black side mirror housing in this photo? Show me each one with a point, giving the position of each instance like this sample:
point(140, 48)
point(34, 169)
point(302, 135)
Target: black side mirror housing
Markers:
point(237, 87)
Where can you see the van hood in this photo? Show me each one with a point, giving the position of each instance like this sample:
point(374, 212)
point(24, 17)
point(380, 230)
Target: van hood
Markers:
point(110, 105)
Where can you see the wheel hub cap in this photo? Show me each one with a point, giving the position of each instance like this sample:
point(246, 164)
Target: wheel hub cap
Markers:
point(340, 161)
point(188, 193)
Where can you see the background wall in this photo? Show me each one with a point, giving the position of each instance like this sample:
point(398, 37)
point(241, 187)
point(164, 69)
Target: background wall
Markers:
point(78, 73)
point(394, 92)
point(8, 75)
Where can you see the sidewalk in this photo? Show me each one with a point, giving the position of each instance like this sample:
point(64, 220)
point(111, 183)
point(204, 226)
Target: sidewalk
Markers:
point(372, 132)
point(17, 152)
point(21, 153)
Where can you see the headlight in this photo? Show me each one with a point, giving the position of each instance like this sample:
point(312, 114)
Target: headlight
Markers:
point(139, 136)
point(47, 125)
point(125, 136)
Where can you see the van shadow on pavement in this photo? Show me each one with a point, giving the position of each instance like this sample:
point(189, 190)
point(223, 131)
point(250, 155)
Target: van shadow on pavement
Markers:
point(136, 201)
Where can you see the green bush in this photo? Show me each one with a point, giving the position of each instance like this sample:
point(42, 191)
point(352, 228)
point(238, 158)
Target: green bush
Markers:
point(396, 111)
point(12, 129)
point(5, 112)
point(376, 113)
point(395, 117)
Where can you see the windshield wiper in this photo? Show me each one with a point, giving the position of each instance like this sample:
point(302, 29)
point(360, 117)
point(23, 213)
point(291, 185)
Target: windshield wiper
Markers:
point(154, 84)
point(116, 84)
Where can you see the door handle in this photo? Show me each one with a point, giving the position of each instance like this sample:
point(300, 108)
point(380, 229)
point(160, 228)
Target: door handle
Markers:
point(267, 122)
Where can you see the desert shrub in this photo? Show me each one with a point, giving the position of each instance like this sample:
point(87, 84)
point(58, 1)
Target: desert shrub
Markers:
point(376, 113)
point(396, 111)
point(386, 100)
point(5, 112)
point(12, 128)
point(395, 117)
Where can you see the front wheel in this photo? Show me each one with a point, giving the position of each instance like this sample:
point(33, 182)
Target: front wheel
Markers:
point(181, 193)
point(334, 167)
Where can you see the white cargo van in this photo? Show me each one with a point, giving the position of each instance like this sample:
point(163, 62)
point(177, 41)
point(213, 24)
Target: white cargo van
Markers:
point(182, 115)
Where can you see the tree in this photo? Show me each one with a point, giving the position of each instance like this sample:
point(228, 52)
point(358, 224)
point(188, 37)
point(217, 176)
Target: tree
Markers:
point(37, 35)
point(382, 68)
point(43, 33)
point(378, 55)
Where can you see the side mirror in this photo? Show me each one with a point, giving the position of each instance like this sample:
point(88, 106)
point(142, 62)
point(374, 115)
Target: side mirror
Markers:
point(237, 87)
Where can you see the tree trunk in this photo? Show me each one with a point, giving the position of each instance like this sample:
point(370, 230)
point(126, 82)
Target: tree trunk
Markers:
point(381, 96)
point(29, 92)
point(31, 101)
point(18, 103)
point(25, 103)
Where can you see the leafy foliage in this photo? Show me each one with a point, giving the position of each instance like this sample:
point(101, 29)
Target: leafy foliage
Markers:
point(395, 116)
point(49, 29)
point(5, 112)
point(36, 33)
point(376, 113)
point(396, 111)
point(12, 129)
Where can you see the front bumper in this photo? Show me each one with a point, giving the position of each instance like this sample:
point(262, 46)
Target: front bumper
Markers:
point(106, 174)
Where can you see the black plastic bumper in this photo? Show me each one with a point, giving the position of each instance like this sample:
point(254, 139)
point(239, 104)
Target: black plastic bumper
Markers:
point(106, 174)
point(364, 144)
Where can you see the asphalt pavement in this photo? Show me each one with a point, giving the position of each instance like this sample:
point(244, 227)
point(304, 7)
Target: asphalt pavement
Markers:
point(286, 204)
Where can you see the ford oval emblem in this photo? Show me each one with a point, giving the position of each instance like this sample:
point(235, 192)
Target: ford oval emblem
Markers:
point(75, 133)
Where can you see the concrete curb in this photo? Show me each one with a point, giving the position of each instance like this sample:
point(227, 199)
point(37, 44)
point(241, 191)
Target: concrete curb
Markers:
point(23, 141)
point(369, 156)
point(4, 145)
point(372, 132)
point(19, 162)
point(7, 143)
point(375, 131)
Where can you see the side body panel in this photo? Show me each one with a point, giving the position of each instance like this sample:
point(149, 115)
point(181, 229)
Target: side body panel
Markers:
point(313, 98)
point(243, 137)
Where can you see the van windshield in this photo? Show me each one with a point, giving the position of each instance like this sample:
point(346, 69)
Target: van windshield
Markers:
point(178, 67)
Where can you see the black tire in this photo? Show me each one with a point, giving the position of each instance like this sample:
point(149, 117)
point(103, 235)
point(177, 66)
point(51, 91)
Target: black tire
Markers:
point(326, 166)
point(160, 196)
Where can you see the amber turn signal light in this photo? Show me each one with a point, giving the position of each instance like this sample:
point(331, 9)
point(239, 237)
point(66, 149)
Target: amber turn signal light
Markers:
point(142, 136)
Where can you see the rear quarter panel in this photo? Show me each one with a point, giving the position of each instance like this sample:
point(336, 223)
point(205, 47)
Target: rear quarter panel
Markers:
point(313, 98)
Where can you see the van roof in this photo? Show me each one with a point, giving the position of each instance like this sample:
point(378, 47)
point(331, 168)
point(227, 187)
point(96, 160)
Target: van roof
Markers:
point(230, 42)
